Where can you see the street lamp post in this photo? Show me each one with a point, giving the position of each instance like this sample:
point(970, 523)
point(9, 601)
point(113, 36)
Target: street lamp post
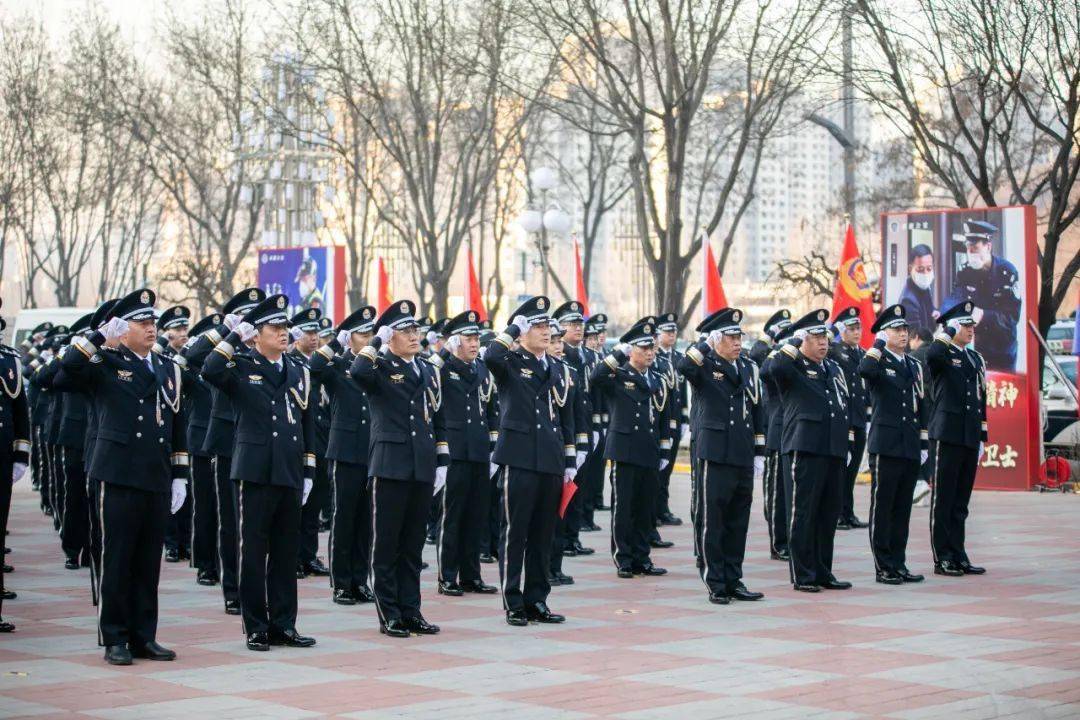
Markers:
point(539, 223)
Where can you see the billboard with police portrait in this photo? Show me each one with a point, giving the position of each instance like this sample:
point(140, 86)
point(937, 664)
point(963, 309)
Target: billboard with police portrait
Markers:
point(309, 276)
point(933, 259)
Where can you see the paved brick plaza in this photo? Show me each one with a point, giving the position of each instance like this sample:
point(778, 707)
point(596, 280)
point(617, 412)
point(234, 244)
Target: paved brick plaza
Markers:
point(1003, 645)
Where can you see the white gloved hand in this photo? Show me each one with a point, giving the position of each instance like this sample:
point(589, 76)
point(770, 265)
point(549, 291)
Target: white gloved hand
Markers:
point(440, 479)
point(45, 356)
point(17, 471)
point(295, 333)
point(245, 330)
point(714, 337)
point(624, 348)
point(522, 324)
point(982, 449)
point(232, 320)
point(799, 334)
point(579, 459)
point(882, 335)
point(848, 461)
point(179, 494)
point(385, 333)
point(308, 483)
point(114, 328)
point(924, 455)
point(569, 475)
point(977, 315)
point(431, 337)
point(493, 469)
point(453, 343)
point(867, 427)
point(759, 468)
point(684, 432)
point(663, 464)
point(595, 438)
point(343, 339)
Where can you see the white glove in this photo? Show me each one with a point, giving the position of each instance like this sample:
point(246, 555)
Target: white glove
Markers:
point(453, 343)
point(977, 315)
point(232, 320)
point(882, 335)
point(522, 323)
point(440, 479)
point(45, 356)
point(114, 328)
point(17, 471)
point(580, 459)
point(431, 337)
point(343, 339)
point(595, 438)
point(924, 455)
point(179, 494)
point(624, 348)
point(848, 461)
point(493, 469)
point(385, 333)
point(308, 483)
point(569, 475)
point(981, 450)
point(663, 464)
point(759, 468)
point(246, 331)
point(867, 427)
point(684, 431)
point(295, 333)
point(799, 334)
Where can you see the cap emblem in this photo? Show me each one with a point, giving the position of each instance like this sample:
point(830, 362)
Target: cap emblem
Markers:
point(145, 297)
point(253, 295)
point(281, 302)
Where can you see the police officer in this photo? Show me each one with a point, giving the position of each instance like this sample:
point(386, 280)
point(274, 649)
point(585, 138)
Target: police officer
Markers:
point(203, 489)
point(172, 327)
point(898, 442)
point(408, 455)
point(638, 440)
point(992, 283)
point(273, 463)
point(38, 403)
point(536, 449)
point(14, 444)
point(141, 461)
point(775, 500)
point(729, 449)
point(347, 455)
point(327, 332)
point(46, 409)
point(304, 332)
point(592, 481)
point(958, 433)
point(847, 353)
point(667, 362)
point(815, 443)
point(471, 428)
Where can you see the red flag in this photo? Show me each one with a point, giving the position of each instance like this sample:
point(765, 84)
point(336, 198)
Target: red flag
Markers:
point(852, 288)
point(712, 289)
point(568, 490)
point(474, 298)
point(579, 279)
point(382, 297)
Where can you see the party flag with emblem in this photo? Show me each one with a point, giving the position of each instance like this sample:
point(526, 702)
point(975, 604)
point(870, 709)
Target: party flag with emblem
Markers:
point(852, 287)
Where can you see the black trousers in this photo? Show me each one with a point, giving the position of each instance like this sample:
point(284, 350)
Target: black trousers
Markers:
point(663, 486)
point(851, 472)
point(592, 483)
point(434, 513)
point(892, 485)
point(489, 537)
point(350, 526)
point(93, 492)
point(75, 535)
point(204, 514)
point(462, 521)
point(56, 485)
point(695, 503)
point(954, 479)
point(399, 514)
point(727, 492)
point(178, 529)
point(269, 540)
point(814, 488)
point(6, 465)
point(228, 543)
point(133, 532)
point(40, 465)
point(309, 514)
point(633, 505)
point(776, 504)
point(530, 508)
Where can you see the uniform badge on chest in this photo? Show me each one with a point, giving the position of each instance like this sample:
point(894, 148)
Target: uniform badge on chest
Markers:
point(629, 384)
point(255, 379)
point(526, 372)
point(717, 375)
point(957, 362)
point(454, 375)
point(397, 378)
point(890, 372)
point(811, 373)
point(124, 375)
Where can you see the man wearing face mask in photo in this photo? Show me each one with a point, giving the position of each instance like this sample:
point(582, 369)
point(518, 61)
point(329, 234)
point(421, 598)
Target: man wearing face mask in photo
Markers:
point(992, 283)
point(917, 297)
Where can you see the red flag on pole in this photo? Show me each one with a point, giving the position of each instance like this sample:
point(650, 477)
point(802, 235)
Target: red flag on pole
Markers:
point(382, 297)
point(474, 298)
point(852, 287)
point(712, 288)
point(579, 281)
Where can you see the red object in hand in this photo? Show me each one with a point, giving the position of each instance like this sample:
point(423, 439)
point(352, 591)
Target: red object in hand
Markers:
point(568, 490)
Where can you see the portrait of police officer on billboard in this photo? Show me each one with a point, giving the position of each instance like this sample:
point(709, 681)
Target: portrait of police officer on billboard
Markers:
point(993, 283)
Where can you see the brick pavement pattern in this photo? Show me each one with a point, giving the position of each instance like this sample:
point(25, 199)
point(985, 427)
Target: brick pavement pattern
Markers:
point(1006, 644)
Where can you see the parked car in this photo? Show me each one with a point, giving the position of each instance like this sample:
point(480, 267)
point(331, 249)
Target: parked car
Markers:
point(1059, 338)
point(1061, 422)
point(30, 318)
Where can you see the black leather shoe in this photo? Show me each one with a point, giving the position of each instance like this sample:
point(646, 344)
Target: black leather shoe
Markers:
point(8, 568)
point(394, 628)
point(420, 626)
point(8, 594)
point(71, 564)
point(807, 588)
point(601, 506)
point(117, 655)
point(153, 651)
point(855, 522)
point(206, 577)
point(569, 551)
point(887, 577)
point(363, 594)
point(650, 569)
point(739, 592)
point(185, 553)
point(343, 597)
point(517, 618)
point(834, 584)
point(582, 550)
point(661, 544)
point(317, 567)
point(909, 577)
point(670, 519)
point(843, 524)
point(554, 581)
point(948, 567)
point(970, 569)
point(424, 565)
point(172, 555)
point(258, 641)
point(232, 607)
point(291, 638)
point(301, 573)
point(450, 588)
point(429, 540)
point(541, 614)
point(625, 573)
point(6, 627)
point(479, 587)
point(564, 579)
point(785, 555)
point(487, 558)
point(719, 599)
point(699, 562)
point(590, 527)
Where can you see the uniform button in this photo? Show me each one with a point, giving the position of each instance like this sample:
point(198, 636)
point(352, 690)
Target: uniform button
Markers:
point(294, 438)
point(468, 420)
point(275, 433)
point(537, 427)
point(635, 427)
point(414, 433)
point(161, 440)
point(363, 422)
point(273, 417)
point(139, 418)
point(138, 434)
point(411, 417)
point(140, 401)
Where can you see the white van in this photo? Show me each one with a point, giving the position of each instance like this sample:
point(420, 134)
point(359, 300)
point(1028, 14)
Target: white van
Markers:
point(29, 319)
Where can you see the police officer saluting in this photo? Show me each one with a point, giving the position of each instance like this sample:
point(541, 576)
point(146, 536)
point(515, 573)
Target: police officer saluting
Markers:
point(847, 353)
point(898, 442)
point(272, 462)
point(729, 447)
point(408, 451)
point(958, 432)
point(347, 454)
point(815, 443)
point(141, 461)
point(638, 440)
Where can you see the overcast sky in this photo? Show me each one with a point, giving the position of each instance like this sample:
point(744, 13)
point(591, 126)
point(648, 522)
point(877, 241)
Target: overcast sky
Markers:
point(137, 18)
